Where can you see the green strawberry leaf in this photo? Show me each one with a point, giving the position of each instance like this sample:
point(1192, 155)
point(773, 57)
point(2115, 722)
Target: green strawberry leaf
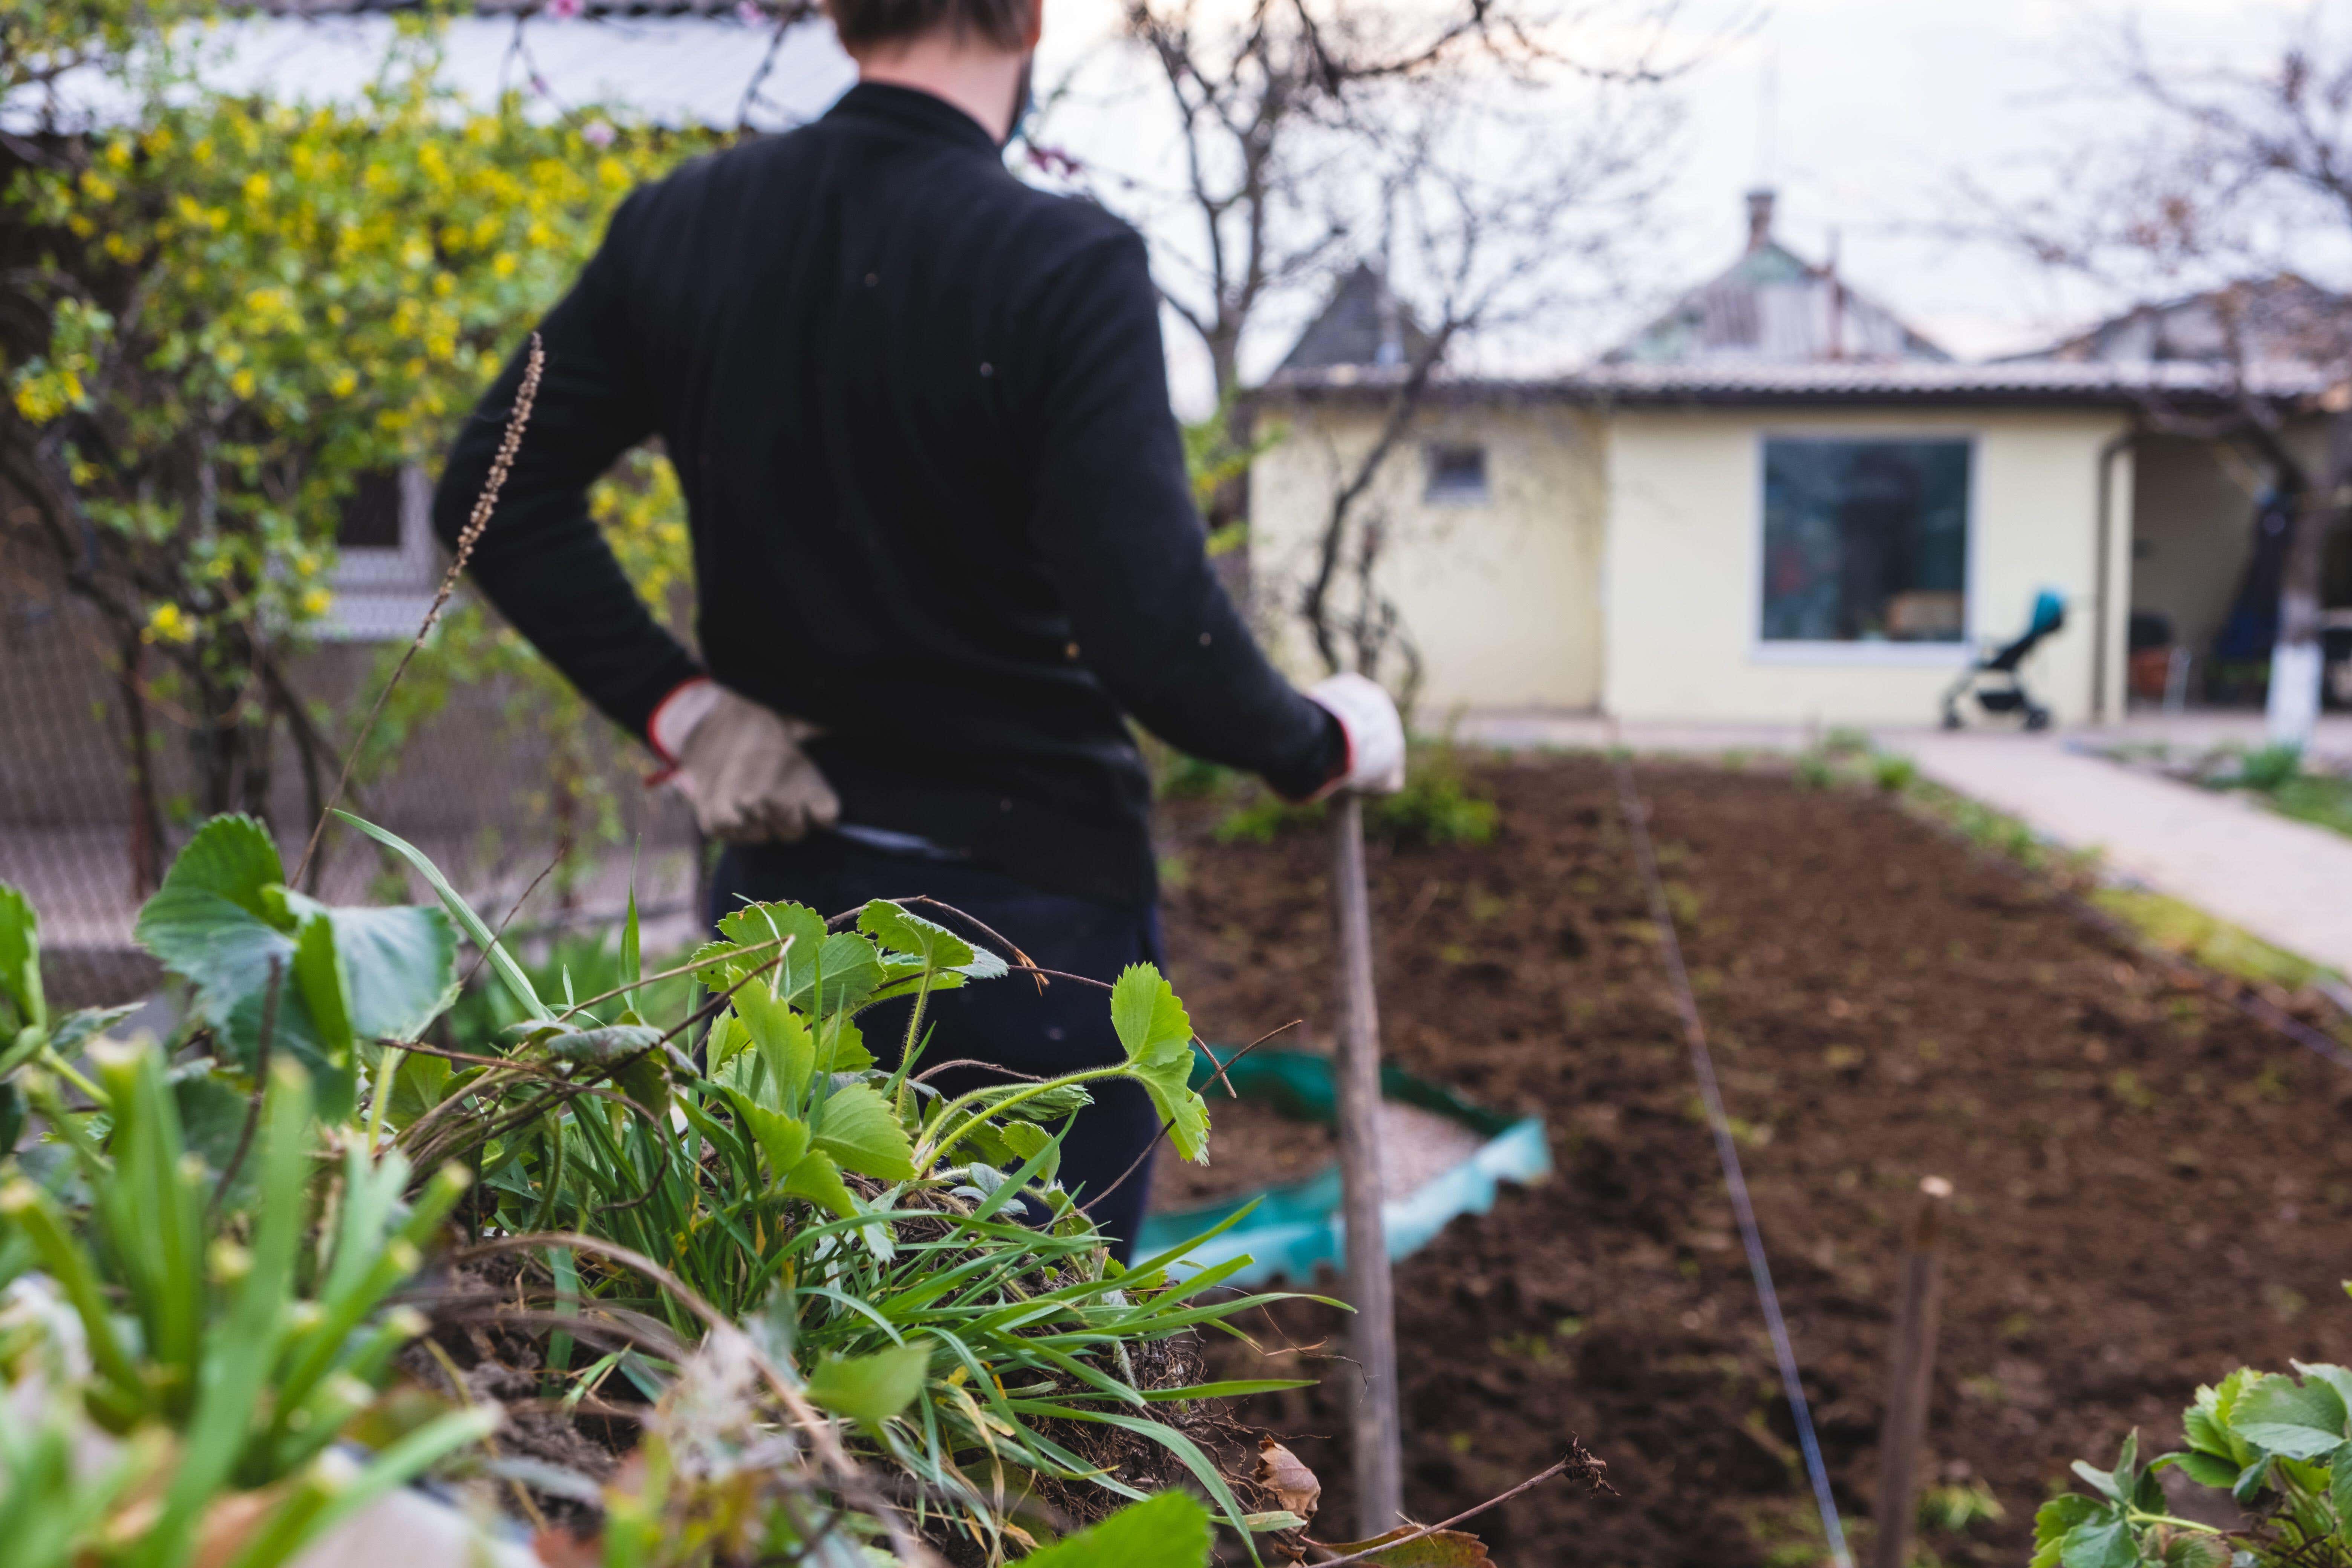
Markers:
point(601, 1048)
point(783, 1139)
point(2054, 1518)
point(2205, 1470)
point(937, 947)
point(818, 1179)
point(1170, 1531)
point(20, 960)
point(2100, 1543)
point(856, 1126)
point(1157, 1033)
point(2102, 1482)
point(2301, 1421)
point(318, 970)
point(782, 1038)
point(871, 1389)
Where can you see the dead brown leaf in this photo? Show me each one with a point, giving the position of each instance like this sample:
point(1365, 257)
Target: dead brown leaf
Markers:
point(1294, 1485)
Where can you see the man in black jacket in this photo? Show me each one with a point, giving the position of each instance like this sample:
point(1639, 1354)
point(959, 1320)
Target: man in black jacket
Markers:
point(943, 536)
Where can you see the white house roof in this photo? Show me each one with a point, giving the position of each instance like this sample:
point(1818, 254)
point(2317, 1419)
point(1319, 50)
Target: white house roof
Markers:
point(673, 63)
point(1772, 327)
point(1895, 382)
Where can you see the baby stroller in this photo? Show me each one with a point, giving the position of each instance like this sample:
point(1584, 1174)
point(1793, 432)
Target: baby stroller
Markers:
point(2007, 694)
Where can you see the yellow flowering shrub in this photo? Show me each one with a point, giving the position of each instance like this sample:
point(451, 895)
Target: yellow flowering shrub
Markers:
point(242, 306)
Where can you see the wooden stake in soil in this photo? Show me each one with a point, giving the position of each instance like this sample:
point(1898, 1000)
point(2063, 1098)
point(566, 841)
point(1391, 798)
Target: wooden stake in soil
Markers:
point(1912, 1364)
point(1376, 1428)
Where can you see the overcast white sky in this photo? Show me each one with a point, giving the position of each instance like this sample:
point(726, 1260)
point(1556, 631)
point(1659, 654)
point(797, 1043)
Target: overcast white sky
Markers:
point(1881, 104)
point(1876, 109)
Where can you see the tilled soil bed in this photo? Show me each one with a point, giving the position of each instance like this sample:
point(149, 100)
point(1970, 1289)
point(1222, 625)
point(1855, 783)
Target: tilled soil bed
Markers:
point(2151, 1189)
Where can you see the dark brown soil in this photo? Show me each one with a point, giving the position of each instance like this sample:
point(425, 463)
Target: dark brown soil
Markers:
point(2151, 1189)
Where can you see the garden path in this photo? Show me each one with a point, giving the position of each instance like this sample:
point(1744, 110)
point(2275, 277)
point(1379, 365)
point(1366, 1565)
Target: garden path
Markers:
point(2288, 882)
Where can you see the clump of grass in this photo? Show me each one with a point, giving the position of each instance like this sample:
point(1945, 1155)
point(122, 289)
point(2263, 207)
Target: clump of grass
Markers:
point(2320, 799)
point(2190, 932)
point(1814, 771)
point(1954, 1508)
point(1893, 773)
point(1437, 807)
point(2268, 768)
point(1183, 777)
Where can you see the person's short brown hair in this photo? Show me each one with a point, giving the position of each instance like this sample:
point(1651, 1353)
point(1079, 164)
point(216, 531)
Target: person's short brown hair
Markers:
point(865, 23)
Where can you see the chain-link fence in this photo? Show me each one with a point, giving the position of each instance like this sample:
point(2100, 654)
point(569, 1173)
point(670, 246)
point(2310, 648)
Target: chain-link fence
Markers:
point(497, 802)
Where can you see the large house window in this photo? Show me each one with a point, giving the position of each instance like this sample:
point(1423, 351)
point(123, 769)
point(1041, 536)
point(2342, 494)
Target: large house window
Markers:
point(1865, 541)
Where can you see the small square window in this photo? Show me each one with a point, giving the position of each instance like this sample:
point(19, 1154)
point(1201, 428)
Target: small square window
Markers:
point(1457, 475)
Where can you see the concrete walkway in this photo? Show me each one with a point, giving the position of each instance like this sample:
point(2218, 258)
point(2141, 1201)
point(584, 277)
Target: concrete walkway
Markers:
point(2287, 882)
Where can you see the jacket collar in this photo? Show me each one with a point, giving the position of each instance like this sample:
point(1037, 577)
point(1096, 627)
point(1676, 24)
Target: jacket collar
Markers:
point(913, 112)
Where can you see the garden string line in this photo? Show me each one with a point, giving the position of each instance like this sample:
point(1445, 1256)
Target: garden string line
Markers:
point(1629, 803)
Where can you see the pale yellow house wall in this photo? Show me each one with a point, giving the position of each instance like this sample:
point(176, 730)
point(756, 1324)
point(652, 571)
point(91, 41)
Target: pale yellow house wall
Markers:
point(2192, 532)
point(1615, 564)
point(1683, 556)
point(2192, 525)
point(1502, 598)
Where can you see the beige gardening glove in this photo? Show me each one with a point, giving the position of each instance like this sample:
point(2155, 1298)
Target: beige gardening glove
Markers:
point(741, 767)
point(1375, 730)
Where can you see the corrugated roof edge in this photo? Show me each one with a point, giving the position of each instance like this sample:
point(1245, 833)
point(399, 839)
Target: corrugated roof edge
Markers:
point(327, 9)
point(1844, 381)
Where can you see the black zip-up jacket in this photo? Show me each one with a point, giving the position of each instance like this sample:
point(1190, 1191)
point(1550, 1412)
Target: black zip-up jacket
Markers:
point(938, 502)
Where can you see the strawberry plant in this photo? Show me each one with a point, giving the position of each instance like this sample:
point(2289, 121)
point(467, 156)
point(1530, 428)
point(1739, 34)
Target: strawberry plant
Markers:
point(807, 1272)
point(2278, 1447)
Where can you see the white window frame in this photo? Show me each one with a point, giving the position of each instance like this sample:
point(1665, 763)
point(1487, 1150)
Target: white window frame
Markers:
point(1877, 655)
point(381, 593)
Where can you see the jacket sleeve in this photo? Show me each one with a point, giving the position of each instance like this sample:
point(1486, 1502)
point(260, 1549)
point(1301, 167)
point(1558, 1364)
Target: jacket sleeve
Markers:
point(541, 560)
point(1117, 525)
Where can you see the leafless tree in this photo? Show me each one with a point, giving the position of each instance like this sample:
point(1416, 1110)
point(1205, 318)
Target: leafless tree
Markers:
point(1481, 154)
point(1488, 226)
point(2232, 187)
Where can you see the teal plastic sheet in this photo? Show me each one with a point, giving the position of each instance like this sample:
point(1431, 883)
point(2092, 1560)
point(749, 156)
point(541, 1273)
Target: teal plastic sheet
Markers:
point(1296, 1227)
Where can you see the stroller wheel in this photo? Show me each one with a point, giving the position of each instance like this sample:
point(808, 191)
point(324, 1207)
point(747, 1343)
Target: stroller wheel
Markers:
point(2037, 718)
point(1952, 718)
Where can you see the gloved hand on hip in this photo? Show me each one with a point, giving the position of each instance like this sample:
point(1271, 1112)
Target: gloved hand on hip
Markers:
point(1367, 716)
point(741, 767)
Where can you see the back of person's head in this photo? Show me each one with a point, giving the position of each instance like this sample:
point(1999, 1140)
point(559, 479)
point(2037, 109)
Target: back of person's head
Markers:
point(878, 24)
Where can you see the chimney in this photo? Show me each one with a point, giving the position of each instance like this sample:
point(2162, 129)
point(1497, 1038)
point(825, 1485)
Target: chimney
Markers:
point(1759, 218)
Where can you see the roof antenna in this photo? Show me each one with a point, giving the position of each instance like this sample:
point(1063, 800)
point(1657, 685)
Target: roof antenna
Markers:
point(1837, 300)
point(1390, 351)
point(1768, 114)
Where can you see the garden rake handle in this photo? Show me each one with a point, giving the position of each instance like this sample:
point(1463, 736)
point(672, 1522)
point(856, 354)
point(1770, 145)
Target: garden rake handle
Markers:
point(1376, 1427)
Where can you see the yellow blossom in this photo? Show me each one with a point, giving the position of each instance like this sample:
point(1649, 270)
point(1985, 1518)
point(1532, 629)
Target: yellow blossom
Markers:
point(168, 624)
